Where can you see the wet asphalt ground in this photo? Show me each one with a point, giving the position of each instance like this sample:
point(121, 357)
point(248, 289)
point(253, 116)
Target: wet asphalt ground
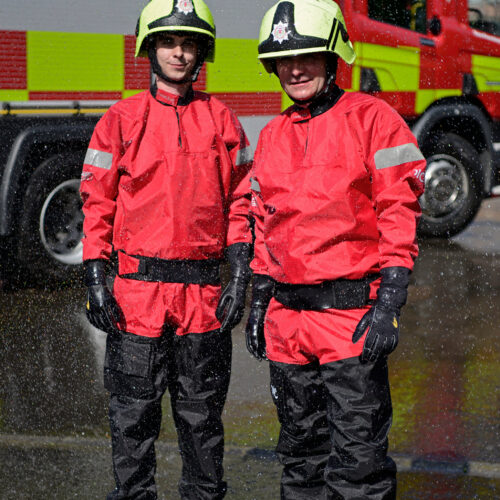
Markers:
point(445, 379)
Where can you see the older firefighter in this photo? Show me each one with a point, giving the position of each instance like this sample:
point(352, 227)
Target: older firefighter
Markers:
point(165, 185)
point(335, 183)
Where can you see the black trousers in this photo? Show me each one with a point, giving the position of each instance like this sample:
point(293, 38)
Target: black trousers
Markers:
point(335, 419)
point(195, 368)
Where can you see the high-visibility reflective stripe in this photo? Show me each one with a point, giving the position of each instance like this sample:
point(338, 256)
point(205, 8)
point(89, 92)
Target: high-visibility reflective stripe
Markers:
point(254, 185)
point(236, 69)
point(397, 68)
point(486, 71)
point(99, 159)
point(54, 111)
point(51, 68)
point(244, 156)
point(392, 157)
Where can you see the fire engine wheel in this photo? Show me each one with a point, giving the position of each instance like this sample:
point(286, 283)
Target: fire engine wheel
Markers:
point(453, 187)
point(51, 228)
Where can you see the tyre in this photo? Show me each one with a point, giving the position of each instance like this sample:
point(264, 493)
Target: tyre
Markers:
point(51, 226)
point(453, 186)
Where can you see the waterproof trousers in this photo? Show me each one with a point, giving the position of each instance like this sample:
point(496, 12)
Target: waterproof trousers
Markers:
point(335, 418)
point(195, 368)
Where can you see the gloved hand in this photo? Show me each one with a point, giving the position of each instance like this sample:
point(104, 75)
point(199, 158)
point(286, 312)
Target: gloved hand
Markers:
point(102, 310)
point(262, 292)
point(232, 301)
point(382, 320)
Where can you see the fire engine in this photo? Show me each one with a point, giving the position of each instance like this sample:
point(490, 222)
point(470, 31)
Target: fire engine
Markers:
point(437, 62)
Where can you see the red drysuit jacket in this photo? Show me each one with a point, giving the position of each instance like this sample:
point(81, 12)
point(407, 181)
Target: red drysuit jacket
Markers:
point(166, 177)
point(336, 195)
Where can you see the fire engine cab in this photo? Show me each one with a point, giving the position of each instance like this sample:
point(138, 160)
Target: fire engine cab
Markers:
point(437, 62)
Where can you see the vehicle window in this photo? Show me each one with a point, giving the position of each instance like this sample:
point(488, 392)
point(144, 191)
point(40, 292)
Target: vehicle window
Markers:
point(484, 15)
point(410, 14)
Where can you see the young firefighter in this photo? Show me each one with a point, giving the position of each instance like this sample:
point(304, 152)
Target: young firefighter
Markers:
point(165, 184)
point(335, 199)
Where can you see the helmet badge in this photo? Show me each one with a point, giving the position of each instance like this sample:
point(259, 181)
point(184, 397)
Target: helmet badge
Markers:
point(280, 32)
point(185, 6)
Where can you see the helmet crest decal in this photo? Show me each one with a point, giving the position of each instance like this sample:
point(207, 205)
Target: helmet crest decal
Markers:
point(185, 6)
point(280, 32)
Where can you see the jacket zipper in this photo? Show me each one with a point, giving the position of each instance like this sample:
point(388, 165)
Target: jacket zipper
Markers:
point(179, 127)
point(307, 141)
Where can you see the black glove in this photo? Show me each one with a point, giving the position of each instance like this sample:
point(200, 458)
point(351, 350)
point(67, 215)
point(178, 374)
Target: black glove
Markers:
point(262, 292)
point(232, 301)
point(382, 319)
point(103, 311)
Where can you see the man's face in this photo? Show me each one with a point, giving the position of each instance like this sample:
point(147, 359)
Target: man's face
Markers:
point(176, 55)
point(302, 76)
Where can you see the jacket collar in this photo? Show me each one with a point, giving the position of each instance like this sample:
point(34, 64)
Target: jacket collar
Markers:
point(318, 106)
point(169, 99)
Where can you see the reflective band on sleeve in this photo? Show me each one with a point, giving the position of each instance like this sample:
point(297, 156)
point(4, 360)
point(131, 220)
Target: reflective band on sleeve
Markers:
point(98, 159)
point(392, 157)
point(244, 156)
point(254, 185)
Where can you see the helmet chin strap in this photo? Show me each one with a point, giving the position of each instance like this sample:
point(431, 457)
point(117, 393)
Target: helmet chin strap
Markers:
point(156, 68)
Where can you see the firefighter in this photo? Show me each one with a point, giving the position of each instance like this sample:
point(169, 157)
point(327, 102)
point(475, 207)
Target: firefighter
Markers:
point(165, 185)
point(335, 186)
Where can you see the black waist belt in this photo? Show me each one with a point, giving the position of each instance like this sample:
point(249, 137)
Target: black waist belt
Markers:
point(336, 294)
point(200, 272)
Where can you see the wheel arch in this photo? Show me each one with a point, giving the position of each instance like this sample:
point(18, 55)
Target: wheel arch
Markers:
point(31, 147)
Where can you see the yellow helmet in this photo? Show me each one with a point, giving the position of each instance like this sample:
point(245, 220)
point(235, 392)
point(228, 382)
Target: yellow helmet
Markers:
point(293, 27)
point(191, 16)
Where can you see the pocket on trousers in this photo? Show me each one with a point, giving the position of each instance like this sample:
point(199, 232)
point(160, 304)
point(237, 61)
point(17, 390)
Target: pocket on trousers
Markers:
point(128, 366)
